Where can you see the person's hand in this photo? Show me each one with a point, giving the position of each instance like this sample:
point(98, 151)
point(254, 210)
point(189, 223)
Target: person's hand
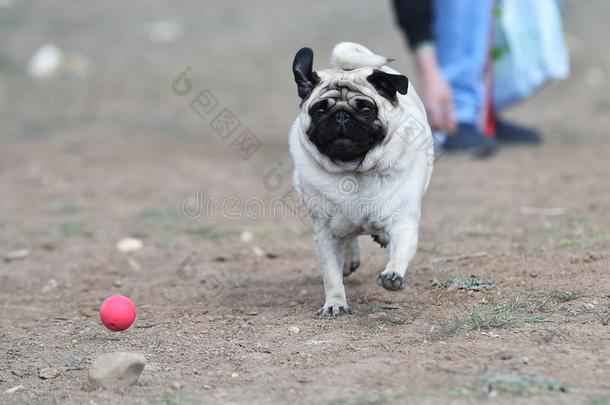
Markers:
point(438, 100)
point(436, 92)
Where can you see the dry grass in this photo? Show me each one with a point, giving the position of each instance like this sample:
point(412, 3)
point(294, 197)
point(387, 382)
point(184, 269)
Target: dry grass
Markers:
point(523, 309)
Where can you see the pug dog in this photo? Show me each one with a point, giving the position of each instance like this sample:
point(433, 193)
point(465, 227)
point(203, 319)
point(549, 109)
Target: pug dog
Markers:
point(363, 154)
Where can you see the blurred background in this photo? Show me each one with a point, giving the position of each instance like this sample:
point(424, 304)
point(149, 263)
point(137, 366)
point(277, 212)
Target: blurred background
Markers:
point(88, 89)
point(118, 63)
point(96, 145)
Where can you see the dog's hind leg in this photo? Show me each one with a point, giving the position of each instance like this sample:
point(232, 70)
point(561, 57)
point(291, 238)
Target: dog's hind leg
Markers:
point(382, 239)
point(352, 257)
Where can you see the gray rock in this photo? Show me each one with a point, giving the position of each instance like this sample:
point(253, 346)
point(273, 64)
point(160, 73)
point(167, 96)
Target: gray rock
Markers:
point(16, 255)
point(112, 369)
point(48, 373)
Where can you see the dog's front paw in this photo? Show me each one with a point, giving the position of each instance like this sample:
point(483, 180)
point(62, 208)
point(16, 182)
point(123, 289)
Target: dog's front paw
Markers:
point(391, 281)
point(334, 310)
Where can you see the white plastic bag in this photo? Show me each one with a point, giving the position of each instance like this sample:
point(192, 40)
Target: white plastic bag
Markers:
point(529, 49)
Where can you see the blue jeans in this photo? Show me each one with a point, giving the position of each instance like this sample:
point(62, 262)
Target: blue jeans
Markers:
point(462, 29)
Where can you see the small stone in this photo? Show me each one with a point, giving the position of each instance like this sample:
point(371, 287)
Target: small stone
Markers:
point(19, 373)
point(16, 255)
point(246, 236)
point(50, 285)
point(119, 368)
point(258, 252)
point(234, 375)
point(14, 389)
point(49, 245)
point(48, 373)
point(129, 245)
point(293, 330)
point(45, 62)
point(176, 386)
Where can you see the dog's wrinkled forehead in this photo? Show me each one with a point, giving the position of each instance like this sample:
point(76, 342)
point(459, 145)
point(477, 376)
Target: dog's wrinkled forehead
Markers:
point(341, 93)
point(343, 88)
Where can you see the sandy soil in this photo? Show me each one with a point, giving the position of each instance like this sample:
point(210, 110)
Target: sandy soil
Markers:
point(89, 158)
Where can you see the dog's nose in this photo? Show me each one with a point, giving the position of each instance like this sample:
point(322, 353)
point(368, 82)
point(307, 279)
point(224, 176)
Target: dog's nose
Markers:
point(342, 118)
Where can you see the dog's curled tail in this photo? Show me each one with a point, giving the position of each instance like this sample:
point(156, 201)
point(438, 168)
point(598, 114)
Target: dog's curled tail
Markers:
point(350, 56)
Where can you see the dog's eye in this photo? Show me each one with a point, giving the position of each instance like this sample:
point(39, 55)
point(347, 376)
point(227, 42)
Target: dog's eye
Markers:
point(320, 107)
point(365, 108)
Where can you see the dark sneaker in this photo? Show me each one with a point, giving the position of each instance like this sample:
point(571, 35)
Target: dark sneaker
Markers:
point(515, 134)
point(468, 138)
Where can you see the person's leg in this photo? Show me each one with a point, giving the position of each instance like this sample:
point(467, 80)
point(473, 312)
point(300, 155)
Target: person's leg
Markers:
point(462, 32)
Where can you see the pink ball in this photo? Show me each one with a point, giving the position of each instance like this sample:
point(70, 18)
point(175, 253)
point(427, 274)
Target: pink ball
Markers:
point(117, 313)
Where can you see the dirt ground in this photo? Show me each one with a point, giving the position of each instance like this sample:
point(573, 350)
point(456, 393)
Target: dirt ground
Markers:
point(508, 297)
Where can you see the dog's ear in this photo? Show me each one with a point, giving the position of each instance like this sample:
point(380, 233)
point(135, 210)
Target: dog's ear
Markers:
point(304, 76)
point(387, 84)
